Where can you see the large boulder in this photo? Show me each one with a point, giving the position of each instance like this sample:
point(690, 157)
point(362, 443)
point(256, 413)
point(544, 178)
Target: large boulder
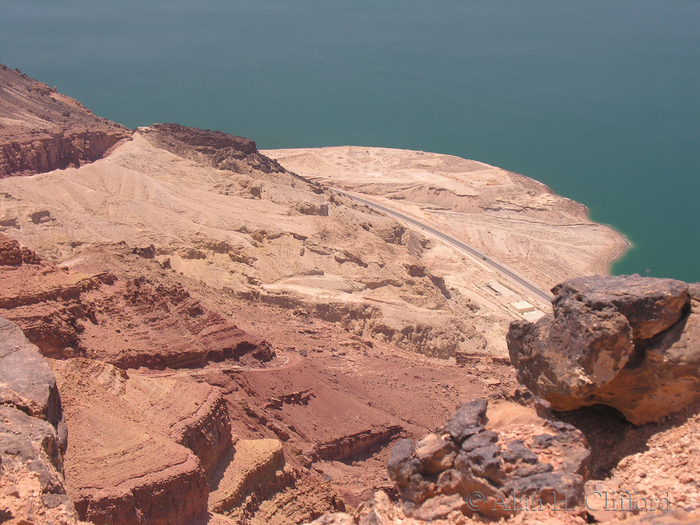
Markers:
point(629, 342)
point(32, 435)
point(491, 459)
point(26, 380)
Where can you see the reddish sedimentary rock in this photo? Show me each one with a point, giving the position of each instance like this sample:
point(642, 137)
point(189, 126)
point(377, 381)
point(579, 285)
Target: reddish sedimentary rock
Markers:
point(141, 446)
point(45, 130)
point(352, 445)
point(147, 321)
point(12, 254)
point(627, 342)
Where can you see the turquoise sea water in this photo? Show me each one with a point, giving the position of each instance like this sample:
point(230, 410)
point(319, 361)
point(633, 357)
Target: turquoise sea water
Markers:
point(599, 99)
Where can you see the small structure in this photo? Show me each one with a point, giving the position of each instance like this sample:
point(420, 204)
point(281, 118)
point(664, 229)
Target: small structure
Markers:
point(498, 289)
point(522, 307)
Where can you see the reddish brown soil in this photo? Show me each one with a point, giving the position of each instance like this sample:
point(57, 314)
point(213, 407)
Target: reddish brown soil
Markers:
point(337, 402)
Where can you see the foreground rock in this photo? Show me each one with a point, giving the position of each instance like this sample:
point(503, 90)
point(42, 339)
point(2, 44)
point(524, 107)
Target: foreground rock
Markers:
point(628, 342)
point(43, 130)
point(380, 510)
point(493, 460)
point(26, 380)
point(32, 435)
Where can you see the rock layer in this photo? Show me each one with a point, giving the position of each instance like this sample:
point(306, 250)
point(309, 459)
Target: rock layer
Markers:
point(628, 342)
point(43, 130)
point(129, 320)
point(139, 444)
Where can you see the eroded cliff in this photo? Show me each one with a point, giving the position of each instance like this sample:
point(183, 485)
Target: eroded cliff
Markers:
point(42, 130)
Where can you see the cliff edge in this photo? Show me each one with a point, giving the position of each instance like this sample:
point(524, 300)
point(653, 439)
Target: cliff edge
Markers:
point(42, 130)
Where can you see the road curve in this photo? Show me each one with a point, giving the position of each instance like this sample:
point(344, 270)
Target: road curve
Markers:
point(504, 270)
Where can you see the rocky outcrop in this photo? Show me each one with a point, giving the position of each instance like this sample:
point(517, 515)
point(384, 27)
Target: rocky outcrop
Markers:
point(491, 459)
point(45, 130)
point(55, 153)
point(26, 380)
point(214, 148)
point(628, 342)
point(31, 481)
point(348, 446)
point(12, 254)
point(206, 431)
point(68, 313)
point(32, 435)
point(141, 446)
point(380, 510)
point(252, 467)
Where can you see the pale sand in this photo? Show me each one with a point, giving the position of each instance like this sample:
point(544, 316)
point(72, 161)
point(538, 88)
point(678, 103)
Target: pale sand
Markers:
point(265, 236)
point(516, 220)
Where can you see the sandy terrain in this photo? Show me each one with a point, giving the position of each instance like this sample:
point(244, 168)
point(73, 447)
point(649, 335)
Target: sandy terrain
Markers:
point(510, 217)
point(181, 245)
point(277, 238)
point(272, 237)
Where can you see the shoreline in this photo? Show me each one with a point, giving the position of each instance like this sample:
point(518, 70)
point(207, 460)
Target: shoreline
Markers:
point(606, 262)
point(515, 219)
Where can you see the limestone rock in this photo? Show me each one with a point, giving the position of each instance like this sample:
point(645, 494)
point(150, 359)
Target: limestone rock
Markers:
point(436, 453)
point(628, 342)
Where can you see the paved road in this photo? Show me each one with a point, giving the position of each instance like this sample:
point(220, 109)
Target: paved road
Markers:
point(505, 271)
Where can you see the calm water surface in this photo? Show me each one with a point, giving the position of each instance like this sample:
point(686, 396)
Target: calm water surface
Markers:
point(599, 99)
